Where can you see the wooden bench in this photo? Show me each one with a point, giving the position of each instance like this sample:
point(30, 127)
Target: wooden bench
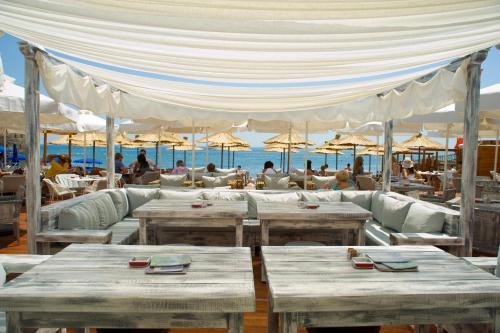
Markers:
point(423, 238)
point(45, 238)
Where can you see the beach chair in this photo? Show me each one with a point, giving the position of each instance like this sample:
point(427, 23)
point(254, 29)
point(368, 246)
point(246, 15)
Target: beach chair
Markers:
point(58, 190)
point(365, 183)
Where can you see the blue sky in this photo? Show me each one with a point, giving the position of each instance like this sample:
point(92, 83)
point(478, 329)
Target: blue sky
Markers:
point(13, 63)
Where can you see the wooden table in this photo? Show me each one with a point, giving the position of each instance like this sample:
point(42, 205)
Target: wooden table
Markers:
point(179, 213)
point(318, 287)
point(329, 215)
point(405, 188)
point(90, 285)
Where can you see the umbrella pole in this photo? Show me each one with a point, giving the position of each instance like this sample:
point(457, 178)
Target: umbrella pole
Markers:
point(233, 159)
point(93, 154)
point(336, 159)
point(289, 147)
point(121, 148)
point(445, 174)
point(156, 152)
point(222, 156)
point(228, 157)
point(354, 155)
point(496, 153)
point(5, 148)
point(206, 146)
point(44, 147)
point(70, 146)
point(306, 148)
point(378, 156)
point(419, 166)
point(370, 163)
point(281, 159)
point(325, 158)
point(173, 157)
point(192, 154)
point(185, 153)
point(84, 153)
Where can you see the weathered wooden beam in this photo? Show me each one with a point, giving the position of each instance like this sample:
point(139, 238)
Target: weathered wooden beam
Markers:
point(44, 147)
point(388, 129)
point(32, 139)
point(469, 160)
point(110, 151)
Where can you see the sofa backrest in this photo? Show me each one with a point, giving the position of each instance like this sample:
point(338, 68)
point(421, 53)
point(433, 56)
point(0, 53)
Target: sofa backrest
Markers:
point(11, 183)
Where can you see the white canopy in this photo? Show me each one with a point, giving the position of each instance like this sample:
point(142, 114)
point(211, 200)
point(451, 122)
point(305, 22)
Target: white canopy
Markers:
point(139, 97)
point(258, 41)
point(79, 121)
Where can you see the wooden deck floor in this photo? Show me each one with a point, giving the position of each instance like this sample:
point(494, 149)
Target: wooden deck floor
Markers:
point(254, 322)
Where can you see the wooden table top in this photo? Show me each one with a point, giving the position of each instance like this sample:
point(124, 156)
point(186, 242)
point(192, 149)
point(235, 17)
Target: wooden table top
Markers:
point(411, 186)
point(306, 279)
point(96, 278)
point(325, 211)
point(164, 208)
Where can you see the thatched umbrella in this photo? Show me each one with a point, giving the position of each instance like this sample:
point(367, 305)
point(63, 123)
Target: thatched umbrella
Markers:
point(184, 146)
point(420, 142)
point(224, 139)
point(81, 139)
point(379, 151)
point(327, 149)
point(160, 138)
point(235, 149)
point(291, 138)
point(353, 140)
point(281, 148)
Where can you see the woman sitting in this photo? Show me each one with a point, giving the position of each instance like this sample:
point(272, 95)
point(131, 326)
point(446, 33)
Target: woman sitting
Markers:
point(58, 165)
point(141, 165)
point(344, 182)
point(269, 168)
point(210, 167)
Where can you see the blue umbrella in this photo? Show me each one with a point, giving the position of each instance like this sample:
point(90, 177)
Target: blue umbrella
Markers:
point(88, 160)
point(20, 157)
point(2, 150)
point(15, 154)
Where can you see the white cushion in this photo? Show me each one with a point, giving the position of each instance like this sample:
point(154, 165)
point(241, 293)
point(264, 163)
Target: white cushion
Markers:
point(3, 275)
point(220, 181)
point(139, 196)
point(178, 195)
point(276, 183)
point(225, 171)
point(253, 198)
point(394, 213)
point(377, 205)
point(224, 195)
point(173, 180)
point(326, 196)
point(322, 182)
point(360, 198)
point(423, 219)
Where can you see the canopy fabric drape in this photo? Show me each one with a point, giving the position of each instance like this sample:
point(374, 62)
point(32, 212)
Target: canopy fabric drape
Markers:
point(264, 41)
point(137, 97)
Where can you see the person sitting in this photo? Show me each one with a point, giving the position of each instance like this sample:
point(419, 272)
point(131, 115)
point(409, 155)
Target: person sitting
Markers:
point(408, 168)
point(151, 164)
point(269, 168)
point(58, 165)
point(348, 167)
point(210, 167)
point(344, 182)
point(119, 166)
point(322, 171)
point(310, 171)
point(180, 169)
point(141, 165)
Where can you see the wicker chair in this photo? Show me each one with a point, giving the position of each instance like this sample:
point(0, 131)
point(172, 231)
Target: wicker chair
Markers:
point(58, 190)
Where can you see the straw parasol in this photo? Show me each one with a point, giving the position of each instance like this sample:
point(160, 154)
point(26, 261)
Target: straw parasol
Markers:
point(327, 149)
point(224, 139)
point(184, 146)
point(82, 140)
point(420, 142)
point(352, 140)
point(160, 138)
point(379, 151)
point(235, 149)
point(281, 148)
point(290, 138)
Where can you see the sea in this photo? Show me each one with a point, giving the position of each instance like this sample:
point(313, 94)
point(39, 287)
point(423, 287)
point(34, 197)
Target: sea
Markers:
point(252, 161)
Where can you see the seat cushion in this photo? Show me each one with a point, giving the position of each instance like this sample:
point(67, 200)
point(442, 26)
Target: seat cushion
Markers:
point(83, 215)
point(225, 171)
point(125, 231)
point(394, 213)
point(360, 198)
point(180, 195)
point(219, 181)
point(254, 197)
point(423, 219)
point(377, 205)
point(224, 195)
point(377, 234)
point(173, 180)
point(326, 196)
point(139, 196)
point(276, 182)
point(324, 182)
point(119, 197)
point(3, 275)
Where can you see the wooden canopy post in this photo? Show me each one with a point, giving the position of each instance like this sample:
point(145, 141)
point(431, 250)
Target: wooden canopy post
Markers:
point(44, 147)
point(445, 174)
point(93, 154)
point(110, 152)
point(386, 186)
point(496, 153)
point(289, 148)
point(32, 139)
point(469, 160)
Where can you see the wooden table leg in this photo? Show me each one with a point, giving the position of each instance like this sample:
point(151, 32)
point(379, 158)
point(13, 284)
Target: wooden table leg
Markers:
point(143, 232)
point(361, 234)
point(239, 233)
point(272, 318)
point(264, 241)
point(235, 324)
point(289, 322)
point(423, 328)
point(13, 319)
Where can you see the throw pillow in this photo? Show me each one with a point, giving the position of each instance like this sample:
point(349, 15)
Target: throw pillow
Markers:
point(326, 196)
point(119, 197)
point(173, 180)
point(107, 211)
point(179, 195)
point(84, 215)
point(276, 183)
point(324, 182)
point(378, 205)
point(360, 198)
point(253, 198)
point(139, 196)
point(394, 213)
point(423, 219)
point(224, 195)
point(220, 181)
